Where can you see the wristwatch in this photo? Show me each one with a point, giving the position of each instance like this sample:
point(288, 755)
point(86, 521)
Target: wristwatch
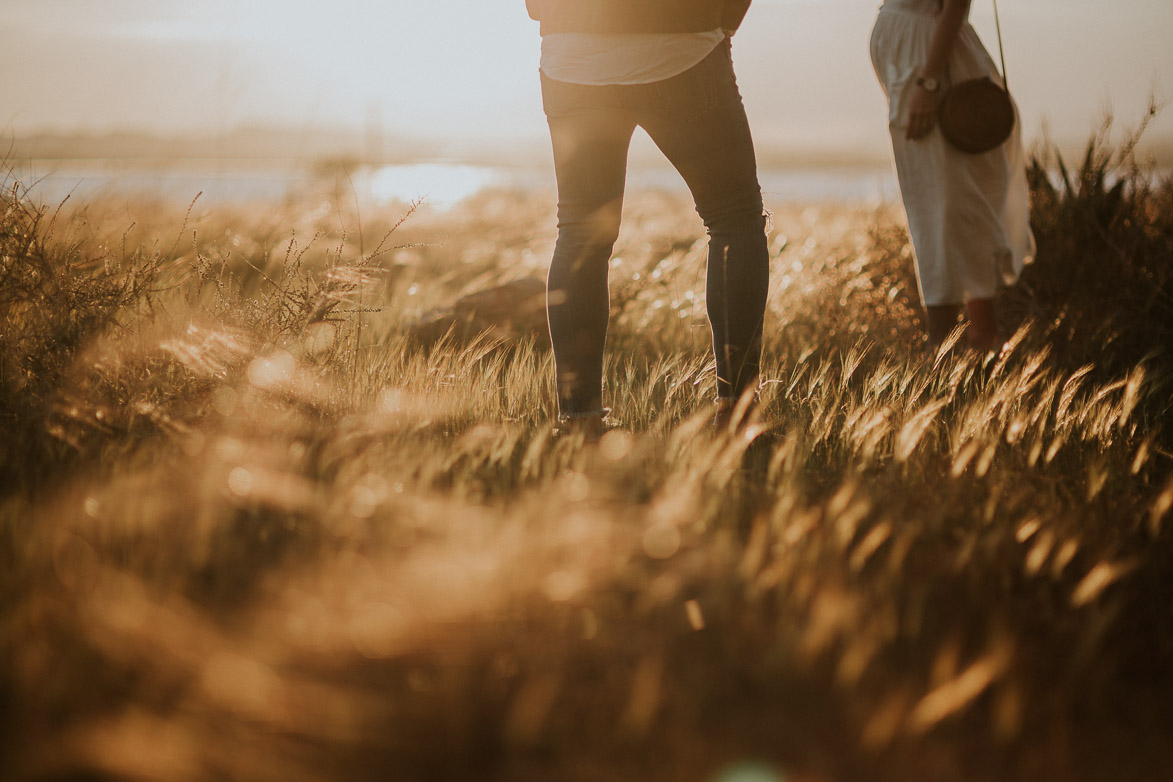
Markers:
point(928, 84)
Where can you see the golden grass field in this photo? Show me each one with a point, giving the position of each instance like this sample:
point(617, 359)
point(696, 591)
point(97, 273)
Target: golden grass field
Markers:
point(271, 509)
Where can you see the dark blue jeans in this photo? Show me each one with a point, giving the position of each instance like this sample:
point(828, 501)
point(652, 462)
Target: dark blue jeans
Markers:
point(698, 121)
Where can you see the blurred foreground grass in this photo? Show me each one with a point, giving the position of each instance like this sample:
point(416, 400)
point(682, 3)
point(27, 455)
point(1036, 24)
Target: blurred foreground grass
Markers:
point(257, 524)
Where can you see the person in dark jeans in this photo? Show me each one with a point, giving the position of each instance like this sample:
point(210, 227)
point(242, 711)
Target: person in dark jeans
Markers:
point(696, 117)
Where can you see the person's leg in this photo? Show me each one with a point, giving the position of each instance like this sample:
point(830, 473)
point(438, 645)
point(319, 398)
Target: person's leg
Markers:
point(590, 135)
point(940, 320)
point(983, 327)
point(697, 119)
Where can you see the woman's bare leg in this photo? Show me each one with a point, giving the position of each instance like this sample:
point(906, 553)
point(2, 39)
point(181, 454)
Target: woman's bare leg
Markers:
point(941, 319)
point(983, 327)
point(981, 331)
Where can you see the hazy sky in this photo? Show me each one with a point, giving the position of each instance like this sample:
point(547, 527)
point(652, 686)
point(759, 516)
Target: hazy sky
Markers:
point(467, 68)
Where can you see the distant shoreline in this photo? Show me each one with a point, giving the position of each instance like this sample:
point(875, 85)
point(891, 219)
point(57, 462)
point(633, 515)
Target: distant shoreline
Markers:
point(442, 182)
point(261, 147)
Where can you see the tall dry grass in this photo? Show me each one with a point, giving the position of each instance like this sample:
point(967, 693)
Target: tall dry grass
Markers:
point(253, 529)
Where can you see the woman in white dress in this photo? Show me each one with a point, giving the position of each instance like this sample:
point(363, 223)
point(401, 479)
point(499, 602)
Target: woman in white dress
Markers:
point(968, 215)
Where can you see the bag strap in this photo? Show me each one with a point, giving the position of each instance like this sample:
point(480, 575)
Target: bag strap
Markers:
point(1001, 49)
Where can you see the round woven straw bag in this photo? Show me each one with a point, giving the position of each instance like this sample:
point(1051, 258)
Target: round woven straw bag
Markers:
point(976, 115)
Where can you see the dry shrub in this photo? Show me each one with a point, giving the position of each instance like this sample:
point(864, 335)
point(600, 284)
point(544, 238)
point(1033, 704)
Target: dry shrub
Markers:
point(1102, 286)
point(58, 291)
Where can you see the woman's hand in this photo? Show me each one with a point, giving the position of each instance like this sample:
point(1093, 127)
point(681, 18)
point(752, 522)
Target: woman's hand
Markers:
point(922, 106)
point(922, 113)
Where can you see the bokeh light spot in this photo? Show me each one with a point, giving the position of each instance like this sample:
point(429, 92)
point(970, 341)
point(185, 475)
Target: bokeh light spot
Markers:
point(751, 772)
point(661, 541)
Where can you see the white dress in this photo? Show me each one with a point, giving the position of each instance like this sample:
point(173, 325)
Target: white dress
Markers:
point(968, 215)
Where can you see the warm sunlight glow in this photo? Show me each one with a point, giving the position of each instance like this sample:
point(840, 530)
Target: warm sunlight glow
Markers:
point(434, 183)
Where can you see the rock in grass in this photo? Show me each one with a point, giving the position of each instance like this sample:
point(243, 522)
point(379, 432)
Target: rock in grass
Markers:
point(512, 311)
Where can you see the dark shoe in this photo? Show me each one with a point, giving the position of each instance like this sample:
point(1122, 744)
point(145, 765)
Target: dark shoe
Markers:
point(731, 414)
point(723, 417)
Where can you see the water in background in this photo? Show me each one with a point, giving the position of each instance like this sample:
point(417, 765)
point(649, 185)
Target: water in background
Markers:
point(440, 184)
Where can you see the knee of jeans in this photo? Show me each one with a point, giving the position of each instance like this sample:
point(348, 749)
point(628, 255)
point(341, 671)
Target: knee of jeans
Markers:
point(598, 228)
point(586, 238)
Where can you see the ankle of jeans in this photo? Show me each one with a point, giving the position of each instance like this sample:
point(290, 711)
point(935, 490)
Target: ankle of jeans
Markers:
point(602, 412)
